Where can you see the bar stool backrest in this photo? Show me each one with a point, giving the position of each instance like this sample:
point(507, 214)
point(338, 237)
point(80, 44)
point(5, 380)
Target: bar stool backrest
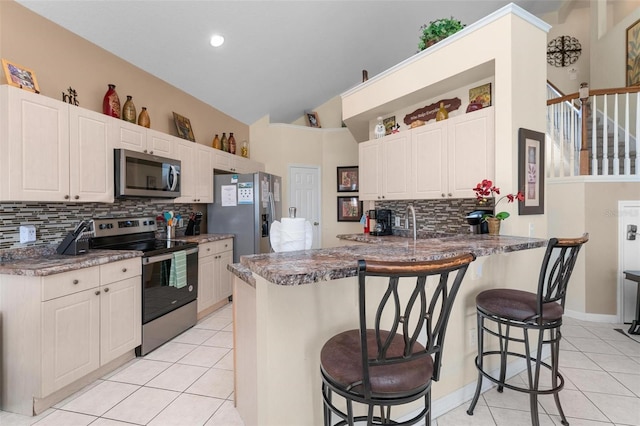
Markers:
point(557, 266)
point(418, 318)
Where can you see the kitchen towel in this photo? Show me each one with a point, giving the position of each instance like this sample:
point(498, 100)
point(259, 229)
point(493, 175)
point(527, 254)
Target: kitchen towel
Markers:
point(178, 275)
point(291, 234)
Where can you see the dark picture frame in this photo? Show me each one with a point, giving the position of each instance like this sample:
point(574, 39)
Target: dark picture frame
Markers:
point(183, 127)
point(531, 171)
point(348, 180)
point(632, 58)
point(20, 76)
point(312, 119)
point(349, 209)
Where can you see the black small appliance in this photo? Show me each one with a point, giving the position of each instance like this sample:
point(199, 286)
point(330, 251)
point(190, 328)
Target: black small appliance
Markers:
point(193, 226)
point(476, 224)
point(384, 222)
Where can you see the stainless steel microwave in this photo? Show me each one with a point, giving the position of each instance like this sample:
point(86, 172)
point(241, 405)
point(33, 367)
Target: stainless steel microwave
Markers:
point(144, 175)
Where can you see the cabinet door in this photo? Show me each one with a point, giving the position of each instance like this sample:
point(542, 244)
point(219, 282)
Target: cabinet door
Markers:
point(206, 277)
point(471, 151)
point(244, 165)
point(204, 175)
point(70, 339)
point(120, 318)
point(396, 166)
point(224, 161)
point(369, 170)
point(223, 287)
point(90, 156)
point(429, 159)
point(36, 147)
point(185, 152)
point(159, 143)
point(130, 136)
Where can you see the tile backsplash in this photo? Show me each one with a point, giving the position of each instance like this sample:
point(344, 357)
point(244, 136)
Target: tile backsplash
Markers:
point(54, 220)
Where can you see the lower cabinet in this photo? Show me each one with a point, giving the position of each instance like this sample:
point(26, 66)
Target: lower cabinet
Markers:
point(59, 328)
point(214, 280)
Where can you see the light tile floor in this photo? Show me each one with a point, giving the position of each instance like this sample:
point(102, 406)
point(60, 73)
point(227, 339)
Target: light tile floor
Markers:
point(189, 381)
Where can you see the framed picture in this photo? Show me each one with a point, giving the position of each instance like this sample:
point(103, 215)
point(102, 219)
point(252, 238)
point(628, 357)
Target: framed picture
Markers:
point(389, 125)
point(632, 65)
point(183, 126)
point(481, 95)
point(531, 171)
point(349, 209)
point(312, 119)
point(20, 76)
point(348, 179)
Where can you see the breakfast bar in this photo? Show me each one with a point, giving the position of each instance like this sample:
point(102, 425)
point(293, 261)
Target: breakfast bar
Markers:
point(286, 305)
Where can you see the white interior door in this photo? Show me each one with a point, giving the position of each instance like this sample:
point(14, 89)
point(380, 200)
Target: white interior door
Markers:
point(629, 257)
point(304, 195)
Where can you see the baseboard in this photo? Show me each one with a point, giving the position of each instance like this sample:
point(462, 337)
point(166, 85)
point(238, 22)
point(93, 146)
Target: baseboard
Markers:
point(582, 316)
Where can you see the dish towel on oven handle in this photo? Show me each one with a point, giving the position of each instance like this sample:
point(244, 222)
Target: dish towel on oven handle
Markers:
point(178, 274)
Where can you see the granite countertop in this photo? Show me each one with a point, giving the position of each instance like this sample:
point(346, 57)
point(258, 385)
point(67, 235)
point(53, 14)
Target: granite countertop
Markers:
point(41, 261)
point(204, 238)
point(309, 266)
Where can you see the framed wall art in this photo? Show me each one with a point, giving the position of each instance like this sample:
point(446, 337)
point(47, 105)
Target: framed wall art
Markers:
point(481, 95)
point(349, 209)
point(348, 179)
point(183, 127)
point(20, 76)
point(632, 65)
point(312, 119)
point(531, 171)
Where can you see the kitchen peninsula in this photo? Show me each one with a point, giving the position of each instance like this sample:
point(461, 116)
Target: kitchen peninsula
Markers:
point(286, 305)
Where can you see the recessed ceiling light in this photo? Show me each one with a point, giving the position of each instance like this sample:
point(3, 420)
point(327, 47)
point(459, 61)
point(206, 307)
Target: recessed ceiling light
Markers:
point(216, 40)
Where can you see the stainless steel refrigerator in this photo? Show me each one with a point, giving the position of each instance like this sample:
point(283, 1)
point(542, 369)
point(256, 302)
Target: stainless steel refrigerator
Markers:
point(245, 205)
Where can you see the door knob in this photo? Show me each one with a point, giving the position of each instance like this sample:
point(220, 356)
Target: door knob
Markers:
point(316, 223)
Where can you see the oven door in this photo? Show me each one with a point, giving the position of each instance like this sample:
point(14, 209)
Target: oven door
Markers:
point(159, 297)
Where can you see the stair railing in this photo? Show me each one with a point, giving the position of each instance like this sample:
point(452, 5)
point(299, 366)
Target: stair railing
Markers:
point(598, 143)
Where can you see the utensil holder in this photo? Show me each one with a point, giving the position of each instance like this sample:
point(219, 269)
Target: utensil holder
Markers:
point(171, 232)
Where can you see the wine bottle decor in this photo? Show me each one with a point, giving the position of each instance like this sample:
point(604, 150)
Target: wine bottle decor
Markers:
point(232, 143)
point(224, 142)
point(111, 102)
point(216, 142)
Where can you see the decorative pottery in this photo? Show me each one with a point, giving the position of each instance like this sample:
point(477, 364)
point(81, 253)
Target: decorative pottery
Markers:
point(129, 111)
point(232, 143)
point(111, 102)
point(143, 118)
point(442, 113)
point(216, 142)
point(494, 225)
point(379, 130)
point(244, 150)
point(224, 142)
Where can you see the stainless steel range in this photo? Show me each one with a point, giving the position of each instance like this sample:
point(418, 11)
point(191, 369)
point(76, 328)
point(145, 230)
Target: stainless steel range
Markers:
point(168, 294)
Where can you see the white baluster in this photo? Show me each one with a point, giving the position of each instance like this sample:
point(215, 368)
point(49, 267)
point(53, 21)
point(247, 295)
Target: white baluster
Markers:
point(627, 129)
point(605, 138)
point(594, 138)
point(616, 154)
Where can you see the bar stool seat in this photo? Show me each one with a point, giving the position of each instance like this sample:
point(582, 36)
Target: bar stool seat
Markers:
point(395, 355)
point(537, 317)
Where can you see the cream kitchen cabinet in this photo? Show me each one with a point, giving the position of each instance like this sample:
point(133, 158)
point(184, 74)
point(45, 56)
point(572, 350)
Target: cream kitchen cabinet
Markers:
point(53, 151)
point(59, 328)
point(196, 172)
point(234, 163)
point(444, 159)
point(141, 139)
point(214, 280)
point(385, 166)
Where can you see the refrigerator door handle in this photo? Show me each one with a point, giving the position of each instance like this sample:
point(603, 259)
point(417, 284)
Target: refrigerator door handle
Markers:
point(272, 215)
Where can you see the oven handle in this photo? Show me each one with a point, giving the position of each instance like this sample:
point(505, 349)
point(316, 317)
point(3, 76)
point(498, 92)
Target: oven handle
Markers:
point(168, 256)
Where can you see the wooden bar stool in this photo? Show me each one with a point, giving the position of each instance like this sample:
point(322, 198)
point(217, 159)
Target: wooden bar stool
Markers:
point(538, 316)
point(396, 353)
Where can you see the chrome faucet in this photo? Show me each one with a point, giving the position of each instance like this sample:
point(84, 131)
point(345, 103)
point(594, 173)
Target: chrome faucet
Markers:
point(413, 218)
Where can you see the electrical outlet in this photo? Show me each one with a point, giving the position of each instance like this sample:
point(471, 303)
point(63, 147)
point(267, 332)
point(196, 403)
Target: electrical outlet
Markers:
point(472, 336)
point(27, 234)
point(531, 229)
point(397, 219)
point(180, 222)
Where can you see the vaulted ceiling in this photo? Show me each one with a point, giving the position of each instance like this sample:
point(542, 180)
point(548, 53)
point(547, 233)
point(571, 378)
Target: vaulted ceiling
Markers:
point(279, 58)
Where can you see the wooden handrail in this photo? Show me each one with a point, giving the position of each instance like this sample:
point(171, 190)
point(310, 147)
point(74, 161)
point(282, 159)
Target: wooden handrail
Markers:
point(596, 92)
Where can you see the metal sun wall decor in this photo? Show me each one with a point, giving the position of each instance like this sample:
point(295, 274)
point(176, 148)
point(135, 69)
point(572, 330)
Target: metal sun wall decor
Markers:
point(563, 51)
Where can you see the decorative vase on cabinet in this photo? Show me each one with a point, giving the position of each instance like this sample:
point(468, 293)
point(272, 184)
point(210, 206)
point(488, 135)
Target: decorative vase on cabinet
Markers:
point(232, 143)
point(143, 118)
point(129, 110)
point(442, 113)
point(216, 142)
point(224, 142)
point(111, 102)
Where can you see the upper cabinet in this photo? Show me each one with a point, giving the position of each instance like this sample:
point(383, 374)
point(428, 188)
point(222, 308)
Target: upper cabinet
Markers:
point(52, 152)
point(196, 184)
point(138, 138)
point(234, 163)
point(445, 159)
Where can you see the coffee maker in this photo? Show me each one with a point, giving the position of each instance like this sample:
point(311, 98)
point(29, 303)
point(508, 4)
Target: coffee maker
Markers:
point(384, 222)
point(476, 224)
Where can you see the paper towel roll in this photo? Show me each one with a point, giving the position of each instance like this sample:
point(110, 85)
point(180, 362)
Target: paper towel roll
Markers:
point(291, 234)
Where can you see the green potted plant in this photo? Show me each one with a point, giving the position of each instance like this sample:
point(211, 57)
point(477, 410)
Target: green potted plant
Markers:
point(486, 189)
point(437, 30)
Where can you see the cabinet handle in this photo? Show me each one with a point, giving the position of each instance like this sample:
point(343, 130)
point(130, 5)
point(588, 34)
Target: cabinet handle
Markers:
point(97, 292)
point(150, 152)
point(76, 197)
point(106, 290)
point(66, 197)
point(449, 194)
point(442, 195)
point(76, 281)
point(124, 269)
point(208, 249)
point(145, 151)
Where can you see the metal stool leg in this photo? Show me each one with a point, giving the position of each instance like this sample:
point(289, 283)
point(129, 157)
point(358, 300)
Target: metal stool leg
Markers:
point(479, 364)
point(556, 335)
point(504, 348)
